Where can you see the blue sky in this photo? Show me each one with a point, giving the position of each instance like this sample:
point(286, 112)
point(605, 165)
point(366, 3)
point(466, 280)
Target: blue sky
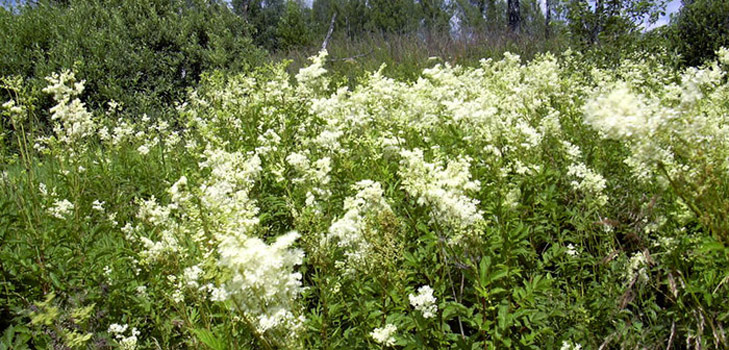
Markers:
point(672, 8)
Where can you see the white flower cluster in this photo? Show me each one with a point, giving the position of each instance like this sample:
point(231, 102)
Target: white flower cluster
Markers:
point(316, 173)
point(385, 335)
point(311, 79)
point(572, 250)
point(125, 342)
point(76, 121)
point(14, 111)
point(637, 268)
point(157, 215)
point(424, 301)
point(621, 113)
point(264, 284)
point(192, 275)
point(61, 209)
point(588, 181)
point(348, 231)
point(443, 189)
point(672, 131)
point(570, 346)
point(225, 194)
point(269, 142)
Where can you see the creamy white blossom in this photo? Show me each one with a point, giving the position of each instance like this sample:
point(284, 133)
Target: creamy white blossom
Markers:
point(589, 181)
point(348, 231)
point(264, 283)
point(443, 189)
point(61, 208)
point(424, 301)
point(384, 335)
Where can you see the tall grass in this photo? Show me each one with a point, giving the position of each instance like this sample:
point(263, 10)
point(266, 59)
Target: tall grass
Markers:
point(406, 55)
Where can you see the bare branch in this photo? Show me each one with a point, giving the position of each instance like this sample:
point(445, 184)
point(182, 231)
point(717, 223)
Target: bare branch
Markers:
point(329, 33)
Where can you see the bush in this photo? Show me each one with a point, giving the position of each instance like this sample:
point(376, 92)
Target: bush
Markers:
point(143, 53)
point(700, 29)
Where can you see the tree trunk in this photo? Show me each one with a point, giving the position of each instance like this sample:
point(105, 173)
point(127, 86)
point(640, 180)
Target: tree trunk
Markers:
point(514, 16)
point(547, 18)
point(241, 7)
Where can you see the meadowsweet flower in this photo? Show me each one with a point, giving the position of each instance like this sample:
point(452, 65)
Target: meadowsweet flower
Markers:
point(218, 294)
point(298, 161)
point(15, 112)
point(130, 342)
point(637, 268)
point(329, 140)
point(444, 189)
point(116, 328)
point(573, 152)
point(125, 342)
point(143, 150)
point(571, 250)
point(191, 276)
point(511, 200)
point(384, 335)
point(154, 250)
point(723, 55)
point(570, 346)
point(311, 79)
point(43, 189)
point(588, 181)
point(347, 231)
point(61, 208)
point(141, 291)
point(98, 205)
point(424, 301)
point(75, 121)
point(178, 296)
point(269, 141)
point(153, 212)
point(177, 191)
point(264, 283)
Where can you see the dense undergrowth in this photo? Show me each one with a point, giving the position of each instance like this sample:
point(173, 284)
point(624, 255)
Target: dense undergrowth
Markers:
point(508, 205)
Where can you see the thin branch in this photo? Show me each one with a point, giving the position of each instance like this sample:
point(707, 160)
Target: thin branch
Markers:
point(673, 333)
point(329, 33)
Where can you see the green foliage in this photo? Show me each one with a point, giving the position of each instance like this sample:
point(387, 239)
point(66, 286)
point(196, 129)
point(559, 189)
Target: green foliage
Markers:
point(513, 205)
point(699, 30)
point(608, 23)
point(391, 16)
point(140, 53)
point(294, 27)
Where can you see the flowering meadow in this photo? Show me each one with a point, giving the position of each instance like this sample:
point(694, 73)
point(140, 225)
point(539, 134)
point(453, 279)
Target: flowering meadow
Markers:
point(538, 204)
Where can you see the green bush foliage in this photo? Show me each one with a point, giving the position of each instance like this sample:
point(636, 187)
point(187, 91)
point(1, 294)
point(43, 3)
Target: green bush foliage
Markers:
point(700, 29)
point(142, 53)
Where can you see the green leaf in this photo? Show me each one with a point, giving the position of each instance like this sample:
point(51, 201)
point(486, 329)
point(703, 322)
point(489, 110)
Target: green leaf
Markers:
point(208, 338)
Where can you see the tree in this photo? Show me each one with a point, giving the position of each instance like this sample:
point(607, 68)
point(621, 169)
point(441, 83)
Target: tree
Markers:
point(434, 15)
point(514, 16)
point(293, 28)
point(700, 28)
point(392, 16)
point(594, 21)
point(143, 53)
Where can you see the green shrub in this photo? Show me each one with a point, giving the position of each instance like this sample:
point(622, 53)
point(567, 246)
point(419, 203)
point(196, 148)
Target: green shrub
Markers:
point(700, 29)
point(143, 53)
